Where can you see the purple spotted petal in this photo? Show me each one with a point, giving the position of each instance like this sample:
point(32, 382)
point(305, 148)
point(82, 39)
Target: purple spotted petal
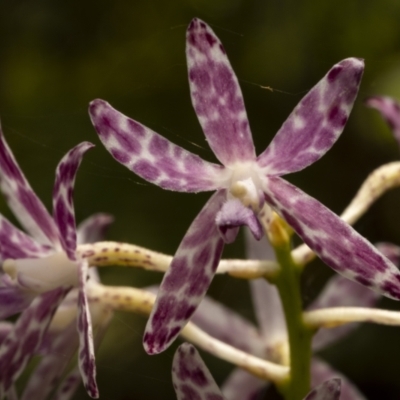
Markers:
point(317, 121)
point(340, 292)
point(332, 239)
point(390, 111)
point(94, 228)
point(328, 390)
point(241, 385)
point(24, 340)
point(63, 205)
point(191, 377)
point(150, 155)
point(266, 299)
point(391, 251)
point(13, 298)
point(188, 278)
point(86, 358)
point(320, 372)
point(26, 206)
point(16, 244)
point(216, 96)
point(234, 214)
point(228, 326)
point(52, 366)
point(68, 386)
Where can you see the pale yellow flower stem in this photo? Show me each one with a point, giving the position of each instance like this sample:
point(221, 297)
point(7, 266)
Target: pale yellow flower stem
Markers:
point(141, 301)
point(128, 255)
point(333, 317)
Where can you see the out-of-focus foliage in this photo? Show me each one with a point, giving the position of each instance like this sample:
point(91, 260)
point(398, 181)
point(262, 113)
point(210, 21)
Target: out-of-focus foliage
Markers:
point(56, 56)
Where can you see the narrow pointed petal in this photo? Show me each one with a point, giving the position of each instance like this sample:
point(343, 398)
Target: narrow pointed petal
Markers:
point(328, 390)
point(216, 96)
point(150, 155)
point(16, 244)
point(391, 251)
point(241, 385)
point(187, 279)
point(49, 371)
point(191, 377)
point(24, 340)
point(316, 122)
point(390, 111)
point(228, 326)
point(332, 239)
point(94, 228)
point(266, 299)
point(234, 214)
point(13, 298)
point(86, 358)
point(321, 372)
point(5, 328)
point(26, 206)
point(68, 386)
point(341, 292)
point(63, 206)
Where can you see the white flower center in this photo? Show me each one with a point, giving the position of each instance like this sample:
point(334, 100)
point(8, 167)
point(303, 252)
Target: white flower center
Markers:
point(245, 184)
point(43, 274)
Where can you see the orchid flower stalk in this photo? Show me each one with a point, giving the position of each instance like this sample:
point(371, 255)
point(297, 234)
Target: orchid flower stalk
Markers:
point(247, 187)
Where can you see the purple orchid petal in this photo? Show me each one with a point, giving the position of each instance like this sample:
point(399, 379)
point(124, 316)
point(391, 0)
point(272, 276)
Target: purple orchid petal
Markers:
point(391, 251)
point(340, 292)
point(16, 244)
point(317, 121)
point(13, 298)
point(26, 206)
point(216, 96)
point(150, 155)
point(390, 111)
point(332, 239)
point(228, 326)
point(94, 228)
point(86, 358)
point(187, 279)
point(52, 366)
point(241, 385)
point(25, 339)
point(63, 206)
point(266, 299)
point(234, 214)
point(321, 372)
point(328, 390)
point(68, 386)
point(5, 329)
point(191, 377)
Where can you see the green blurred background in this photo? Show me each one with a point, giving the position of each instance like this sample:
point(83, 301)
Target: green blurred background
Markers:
point(56, 56)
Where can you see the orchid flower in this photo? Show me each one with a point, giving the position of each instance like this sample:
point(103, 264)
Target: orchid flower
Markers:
point(192, 379)
point(61, 340)
point(246, 186)
point(41, 263)
point(270, 339)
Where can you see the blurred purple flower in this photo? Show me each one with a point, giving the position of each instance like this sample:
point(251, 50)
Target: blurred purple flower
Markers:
point(193, 380)
point(244, 183)
point(40, 268)
point(390, 111)
point(270, 339)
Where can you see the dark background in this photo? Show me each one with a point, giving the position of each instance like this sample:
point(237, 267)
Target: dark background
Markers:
point(56, 56)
